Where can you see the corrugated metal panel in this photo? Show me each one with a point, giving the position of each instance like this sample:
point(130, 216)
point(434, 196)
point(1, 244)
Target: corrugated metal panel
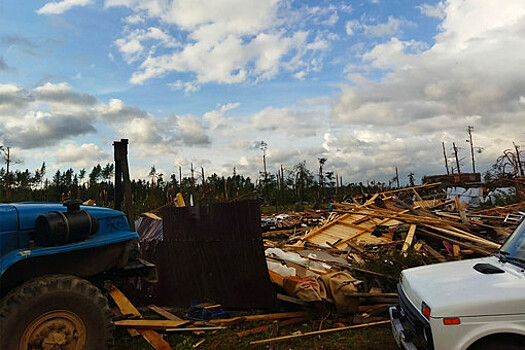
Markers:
point(211, 252)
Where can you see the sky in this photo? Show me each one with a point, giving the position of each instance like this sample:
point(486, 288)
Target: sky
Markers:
point(369, 85)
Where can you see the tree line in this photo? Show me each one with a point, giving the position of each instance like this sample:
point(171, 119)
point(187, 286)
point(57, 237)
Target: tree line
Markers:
point(295, 187)
point(284, 189)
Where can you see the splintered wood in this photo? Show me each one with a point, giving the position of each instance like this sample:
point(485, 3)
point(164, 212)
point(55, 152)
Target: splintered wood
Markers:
point(384, 218)
point(126, 308)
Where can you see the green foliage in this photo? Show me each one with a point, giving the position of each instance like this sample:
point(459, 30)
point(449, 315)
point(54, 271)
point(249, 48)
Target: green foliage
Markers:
point(294, 188)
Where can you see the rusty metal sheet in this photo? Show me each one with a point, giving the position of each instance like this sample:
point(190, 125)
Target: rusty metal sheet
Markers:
point(212, 252)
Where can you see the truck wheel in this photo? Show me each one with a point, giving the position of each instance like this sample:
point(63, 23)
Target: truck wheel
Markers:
point(55, 312)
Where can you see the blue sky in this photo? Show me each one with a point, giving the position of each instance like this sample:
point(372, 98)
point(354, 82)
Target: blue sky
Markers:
point(370, 85)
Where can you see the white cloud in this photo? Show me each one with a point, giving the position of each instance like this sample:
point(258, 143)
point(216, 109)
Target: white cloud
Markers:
point(389, 28)
point(216, 118)
point(437, 11)
point(132, 48)
point(471, 76)
point(191, 131)
point(59, 7)
point(81, 156)
point(351, 26)
point(241, 39)
point(134, 19)
point(288, 121)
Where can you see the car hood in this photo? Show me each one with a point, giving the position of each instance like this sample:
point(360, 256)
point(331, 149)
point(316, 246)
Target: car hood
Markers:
point(457, 289)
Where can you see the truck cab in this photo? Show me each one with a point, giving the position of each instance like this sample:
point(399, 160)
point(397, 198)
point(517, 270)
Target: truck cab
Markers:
point(54, 260)
point(469, 304)
point(23, 257)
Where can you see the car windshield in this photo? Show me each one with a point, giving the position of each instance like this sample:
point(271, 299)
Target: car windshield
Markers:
point(513, 250)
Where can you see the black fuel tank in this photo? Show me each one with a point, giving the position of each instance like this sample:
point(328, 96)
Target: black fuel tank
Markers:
point(57, 228)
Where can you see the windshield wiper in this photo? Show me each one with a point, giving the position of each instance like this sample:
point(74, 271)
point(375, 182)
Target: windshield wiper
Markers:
point(511, 258)
point(504, 257)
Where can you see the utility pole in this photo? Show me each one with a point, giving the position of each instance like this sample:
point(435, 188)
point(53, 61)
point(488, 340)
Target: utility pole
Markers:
point(469, 132)
point(520, 166)
point(397, 179)
point(264, 147)
point(445, 156)
point(456, 155)
point(321, 180)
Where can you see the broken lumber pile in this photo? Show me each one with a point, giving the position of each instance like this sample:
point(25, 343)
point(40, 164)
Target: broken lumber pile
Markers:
point(291, 220)
point(397, 228)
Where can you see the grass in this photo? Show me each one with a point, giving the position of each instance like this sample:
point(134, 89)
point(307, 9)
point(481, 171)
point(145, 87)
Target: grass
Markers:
point(372, 338)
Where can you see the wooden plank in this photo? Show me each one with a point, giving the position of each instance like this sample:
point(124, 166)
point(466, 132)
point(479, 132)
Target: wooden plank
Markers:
point(262, 317)
point(150, 324)
point(468, 237)
point(408, 240)
point(265, 327)
point(132, 332)
point(195, 329)
point(169, 316)
point(198, 343)
point(455, 249)
point(451, 240)
point(434, 253)
point(126, 307)
point(164, 313)
point(330, 330)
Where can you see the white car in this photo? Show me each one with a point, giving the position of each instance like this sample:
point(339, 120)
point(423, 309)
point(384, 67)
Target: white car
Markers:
point(470, 304)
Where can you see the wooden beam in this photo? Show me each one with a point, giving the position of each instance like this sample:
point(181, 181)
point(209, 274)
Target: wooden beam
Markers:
point(465, 235)
point(408, 240)
point(268, 326)
point(164, 313)
point(434, 253)
point(169, 316)
point(451, 240)
point(150, 324)
point(261, 317)
point(126, 307)
point(331, 330)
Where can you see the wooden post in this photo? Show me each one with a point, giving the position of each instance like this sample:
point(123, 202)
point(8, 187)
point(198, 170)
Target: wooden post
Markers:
point(397, 178)
point(118, 195)
point(122, 174)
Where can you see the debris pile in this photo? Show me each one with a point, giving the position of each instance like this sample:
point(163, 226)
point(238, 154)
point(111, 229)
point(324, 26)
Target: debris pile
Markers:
point(126, 315)
point(355, 255)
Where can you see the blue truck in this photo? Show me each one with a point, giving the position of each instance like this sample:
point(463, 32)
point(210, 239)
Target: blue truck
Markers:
point(54, 261)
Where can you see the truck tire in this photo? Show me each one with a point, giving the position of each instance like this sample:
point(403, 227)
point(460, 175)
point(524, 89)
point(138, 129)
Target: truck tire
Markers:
point(55, 312)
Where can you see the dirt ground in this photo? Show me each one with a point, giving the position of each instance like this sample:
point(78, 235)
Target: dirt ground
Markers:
point(370, 338)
